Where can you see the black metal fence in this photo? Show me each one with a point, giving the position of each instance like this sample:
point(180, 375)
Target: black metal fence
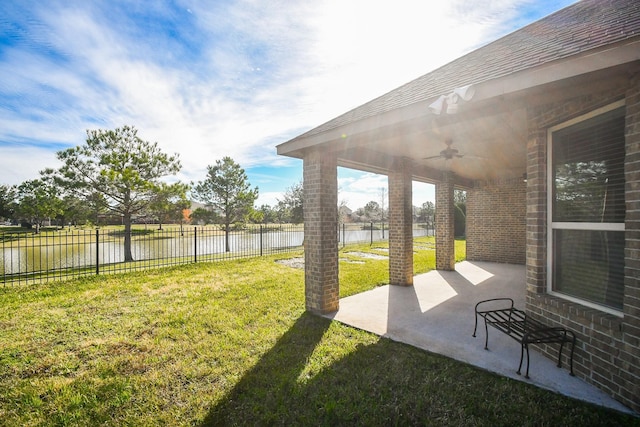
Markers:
point(375, 232)
point(69, 253)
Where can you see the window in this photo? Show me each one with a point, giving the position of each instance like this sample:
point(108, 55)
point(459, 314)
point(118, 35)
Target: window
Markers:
point(587, 209)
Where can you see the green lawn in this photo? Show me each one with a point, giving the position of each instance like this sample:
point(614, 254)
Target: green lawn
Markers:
point(229, 343)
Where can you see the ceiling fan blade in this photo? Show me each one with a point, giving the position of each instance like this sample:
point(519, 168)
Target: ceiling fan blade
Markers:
point(448, 153)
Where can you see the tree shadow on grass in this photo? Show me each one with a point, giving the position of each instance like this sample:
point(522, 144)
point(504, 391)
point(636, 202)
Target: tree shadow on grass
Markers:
point(261, 395)
point(382, 383)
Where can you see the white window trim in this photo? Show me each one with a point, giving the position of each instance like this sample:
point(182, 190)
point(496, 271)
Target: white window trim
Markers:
point(551, 225)
point(595, 226)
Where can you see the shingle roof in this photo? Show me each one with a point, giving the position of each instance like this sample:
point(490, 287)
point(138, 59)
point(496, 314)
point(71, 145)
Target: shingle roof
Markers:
point(584, 26)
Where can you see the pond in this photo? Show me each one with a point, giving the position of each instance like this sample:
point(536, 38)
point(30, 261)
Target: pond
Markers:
point(75, 250)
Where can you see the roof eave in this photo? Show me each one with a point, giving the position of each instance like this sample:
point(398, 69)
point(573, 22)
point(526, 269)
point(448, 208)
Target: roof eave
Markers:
point(590, 61)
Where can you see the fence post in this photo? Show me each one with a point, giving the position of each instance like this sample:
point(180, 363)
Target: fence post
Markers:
point(97, 251)
point(260, 239)
point(383, 230)
point(195, 244)
point(371, 232)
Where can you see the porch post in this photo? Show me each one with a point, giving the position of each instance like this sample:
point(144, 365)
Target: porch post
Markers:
point(400, 224)
point(536, 216)
point(445, 242)
point(320, 182)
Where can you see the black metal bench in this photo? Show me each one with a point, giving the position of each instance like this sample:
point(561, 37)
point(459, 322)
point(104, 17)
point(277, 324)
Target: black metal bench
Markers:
point(522, 328)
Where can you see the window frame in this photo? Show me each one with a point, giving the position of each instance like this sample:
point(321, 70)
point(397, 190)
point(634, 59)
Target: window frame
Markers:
point(562, 225)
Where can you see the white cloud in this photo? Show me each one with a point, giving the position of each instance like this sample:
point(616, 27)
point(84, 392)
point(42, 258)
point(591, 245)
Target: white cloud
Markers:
point(22, 163)
point(358, 189)
point(269, 198)
point(251, 74)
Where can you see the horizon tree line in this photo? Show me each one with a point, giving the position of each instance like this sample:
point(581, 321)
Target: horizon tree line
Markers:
point(117, 173)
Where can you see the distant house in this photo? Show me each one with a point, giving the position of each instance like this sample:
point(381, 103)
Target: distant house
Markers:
point(542, 129)
point(345, 214)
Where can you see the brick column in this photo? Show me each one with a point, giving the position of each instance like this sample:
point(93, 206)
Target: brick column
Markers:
point(536, 253)
point(321, 232)
point(400, 224)
point(445, 242)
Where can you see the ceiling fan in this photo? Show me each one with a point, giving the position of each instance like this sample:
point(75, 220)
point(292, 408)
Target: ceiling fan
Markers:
point(448, 153)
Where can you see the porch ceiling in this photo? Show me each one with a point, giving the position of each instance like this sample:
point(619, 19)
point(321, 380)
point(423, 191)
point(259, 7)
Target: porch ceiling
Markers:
point(490, 140)
point(490, 136)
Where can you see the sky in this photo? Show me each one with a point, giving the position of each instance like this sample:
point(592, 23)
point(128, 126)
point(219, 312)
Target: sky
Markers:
point(209, 79)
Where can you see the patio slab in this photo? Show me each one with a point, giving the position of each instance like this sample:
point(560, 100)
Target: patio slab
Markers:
point(436, 314)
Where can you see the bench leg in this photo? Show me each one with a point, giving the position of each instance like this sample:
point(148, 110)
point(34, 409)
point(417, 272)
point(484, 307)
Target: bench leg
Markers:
point(525, 347)
point(475, 327)
point(486, 335)
point(573, 344)
point(571, 341)
point(560, 355)
point(521, 357)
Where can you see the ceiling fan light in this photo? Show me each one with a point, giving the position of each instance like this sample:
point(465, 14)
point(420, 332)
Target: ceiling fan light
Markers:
point(465, 92)
point(452, 103)
point(439, 105)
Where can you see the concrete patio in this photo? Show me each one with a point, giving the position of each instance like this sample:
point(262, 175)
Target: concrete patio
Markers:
point(436, 315)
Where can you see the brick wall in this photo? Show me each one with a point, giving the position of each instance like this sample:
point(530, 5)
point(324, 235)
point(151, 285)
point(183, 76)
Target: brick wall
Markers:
point(321, 232)
point(496, 221)
point(608, 349)
point(629, 357)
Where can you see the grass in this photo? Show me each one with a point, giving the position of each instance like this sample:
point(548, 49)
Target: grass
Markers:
point(229, 343)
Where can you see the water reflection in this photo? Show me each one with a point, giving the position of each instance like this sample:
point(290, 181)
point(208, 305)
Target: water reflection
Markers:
point(82, 251)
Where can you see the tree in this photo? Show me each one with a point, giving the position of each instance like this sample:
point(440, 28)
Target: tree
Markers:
point(74, 210)
point(269, 215)
point(372, 211)
point(293, 203)
point(460, 212)
point(96, 204)
point(167, 204)
point(460, 196)
point(38, 199)
point(281, 212)
point(122, 167)
point(587, 190)
point(343, 212)
point(427, 214)
point(227, 191)
point(203, 216)
point(7, 201)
